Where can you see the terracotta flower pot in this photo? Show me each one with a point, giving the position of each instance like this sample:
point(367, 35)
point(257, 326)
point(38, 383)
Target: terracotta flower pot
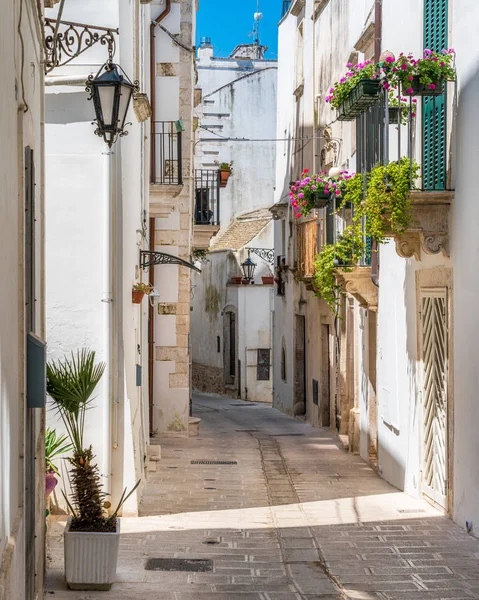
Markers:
point(137, 296)
point(267, 279)
point(236, 280)
point(224, 176)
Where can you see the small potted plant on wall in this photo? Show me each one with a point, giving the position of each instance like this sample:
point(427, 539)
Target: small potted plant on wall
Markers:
point(92, 536)
point(225, 173)
point(139, 290)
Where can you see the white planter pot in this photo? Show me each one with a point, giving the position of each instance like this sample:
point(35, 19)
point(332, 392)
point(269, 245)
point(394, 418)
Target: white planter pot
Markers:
point(91, 558)
point(193, 426)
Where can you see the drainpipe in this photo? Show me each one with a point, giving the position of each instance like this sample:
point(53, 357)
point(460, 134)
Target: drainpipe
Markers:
point(153, 25)
point(151, 333)
point(378, 10)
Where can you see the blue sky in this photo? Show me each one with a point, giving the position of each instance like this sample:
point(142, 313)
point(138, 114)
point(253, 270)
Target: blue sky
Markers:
point(229, 23)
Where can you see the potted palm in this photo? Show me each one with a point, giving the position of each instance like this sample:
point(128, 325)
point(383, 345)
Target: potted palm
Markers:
point(92, 536)
point(138, 291)
point(225, 173)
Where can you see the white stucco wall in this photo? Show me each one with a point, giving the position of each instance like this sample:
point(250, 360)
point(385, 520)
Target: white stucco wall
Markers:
point(96, 203)
point(238, 103)
point(213, 296)
point(21, 116)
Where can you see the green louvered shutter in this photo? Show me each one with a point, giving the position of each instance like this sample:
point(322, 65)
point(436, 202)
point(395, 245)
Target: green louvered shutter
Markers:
point(434, 118)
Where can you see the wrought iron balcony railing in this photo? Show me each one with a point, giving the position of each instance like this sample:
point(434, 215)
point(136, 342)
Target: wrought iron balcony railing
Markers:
point(207, 197)
point(384, 133)
point(166, 154)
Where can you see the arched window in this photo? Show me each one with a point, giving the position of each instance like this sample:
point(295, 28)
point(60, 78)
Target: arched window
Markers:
point(283, 363)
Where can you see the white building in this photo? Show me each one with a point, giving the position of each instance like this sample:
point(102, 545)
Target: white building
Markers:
point(232, 347)
point(97, 222)
point(386, 372)
point(22, 268)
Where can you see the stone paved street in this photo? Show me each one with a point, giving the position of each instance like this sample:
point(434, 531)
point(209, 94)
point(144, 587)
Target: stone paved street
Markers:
point(296, 518)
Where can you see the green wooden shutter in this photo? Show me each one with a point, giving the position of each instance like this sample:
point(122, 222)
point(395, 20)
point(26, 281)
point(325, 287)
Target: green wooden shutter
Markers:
point(434, 118)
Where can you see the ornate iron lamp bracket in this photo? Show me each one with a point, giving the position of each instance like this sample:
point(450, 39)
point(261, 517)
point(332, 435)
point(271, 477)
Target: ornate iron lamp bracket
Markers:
point(150, 259)
point(266, 254)
point(65, 40)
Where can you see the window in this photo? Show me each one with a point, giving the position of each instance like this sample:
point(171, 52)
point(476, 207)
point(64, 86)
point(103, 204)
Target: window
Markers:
point(263, 364)
point(283, 363)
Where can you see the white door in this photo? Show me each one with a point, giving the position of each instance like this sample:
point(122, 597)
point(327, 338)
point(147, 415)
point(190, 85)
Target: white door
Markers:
point(434, 344)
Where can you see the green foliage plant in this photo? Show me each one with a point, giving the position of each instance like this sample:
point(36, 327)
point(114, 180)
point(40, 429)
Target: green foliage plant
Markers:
point(143, 287)
point(386, 205)
point(381, 200)
point(224, 166)
point(343, 255)
point(71, 383)
point(55, 446)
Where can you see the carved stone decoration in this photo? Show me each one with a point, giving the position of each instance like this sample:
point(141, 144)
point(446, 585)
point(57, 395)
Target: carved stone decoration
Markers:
point(429, 226)
point(408, 245)
point(358, 283)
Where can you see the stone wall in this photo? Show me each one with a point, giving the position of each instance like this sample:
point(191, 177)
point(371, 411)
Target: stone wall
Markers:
point(211, 380)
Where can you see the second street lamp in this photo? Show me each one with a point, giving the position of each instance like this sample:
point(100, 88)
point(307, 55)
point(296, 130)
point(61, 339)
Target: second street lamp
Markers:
point(111, 91)
point(249, 267)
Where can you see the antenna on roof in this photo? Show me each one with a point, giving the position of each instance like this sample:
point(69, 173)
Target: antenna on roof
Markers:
point(257, 18)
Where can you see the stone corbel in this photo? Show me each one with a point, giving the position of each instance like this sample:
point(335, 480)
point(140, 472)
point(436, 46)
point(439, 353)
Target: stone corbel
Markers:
point(279, 211)
point(429, 227)
point(358, 283)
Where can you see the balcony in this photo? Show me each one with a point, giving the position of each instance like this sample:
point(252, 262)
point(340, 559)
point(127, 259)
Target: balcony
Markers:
point(166, 154)
point(426, 140)
point(207, 206)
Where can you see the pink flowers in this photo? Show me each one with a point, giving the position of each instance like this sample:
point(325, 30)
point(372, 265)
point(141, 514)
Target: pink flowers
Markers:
point(432, 86)
point(390, 59)
point(409, 91)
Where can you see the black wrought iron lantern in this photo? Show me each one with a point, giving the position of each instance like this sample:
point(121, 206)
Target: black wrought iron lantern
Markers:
point(111, 91)
point(249, 267)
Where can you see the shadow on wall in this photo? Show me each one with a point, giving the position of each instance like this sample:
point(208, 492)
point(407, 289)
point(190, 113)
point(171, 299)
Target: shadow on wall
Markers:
point(62, 109)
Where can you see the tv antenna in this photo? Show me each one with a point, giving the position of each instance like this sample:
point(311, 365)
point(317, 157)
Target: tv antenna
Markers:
point(257, 18)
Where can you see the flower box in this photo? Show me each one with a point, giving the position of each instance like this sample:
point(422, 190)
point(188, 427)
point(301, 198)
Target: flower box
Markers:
point(321, 199)
point(267, 279)
point(136, 296)
point(420, 89)
point(236, 280)
point(364, 94)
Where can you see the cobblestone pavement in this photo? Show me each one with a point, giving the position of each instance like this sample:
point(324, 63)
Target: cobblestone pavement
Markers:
point(296, 518)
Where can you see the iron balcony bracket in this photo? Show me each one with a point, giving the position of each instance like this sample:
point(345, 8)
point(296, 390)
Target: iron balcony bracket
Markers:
point(265, 253)
point(65, 40)
point(150, 259)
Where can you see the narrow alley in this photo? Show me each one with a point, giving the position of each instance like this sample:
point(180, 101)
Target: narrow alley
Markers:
point(261, 506)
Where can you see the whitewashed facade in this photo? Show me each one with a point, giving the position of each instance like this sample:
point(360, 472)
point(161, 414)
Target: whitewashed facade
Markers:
point(376, 367)
point(22, 300)
point(236, 124)
point(97, 222)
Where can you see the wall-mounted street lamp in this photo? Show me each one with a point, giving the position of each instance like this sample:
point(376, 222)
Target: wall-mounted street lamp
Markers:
point(111, 91)
point(249, 267)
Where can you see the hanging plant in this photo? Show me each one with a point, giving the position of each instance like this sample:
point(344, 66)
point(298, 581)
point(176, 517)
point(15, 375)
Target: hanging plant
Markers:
point(341, 90)
point(423, 76)
point(315, 191)
point(387, 202)
point(343, 255)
